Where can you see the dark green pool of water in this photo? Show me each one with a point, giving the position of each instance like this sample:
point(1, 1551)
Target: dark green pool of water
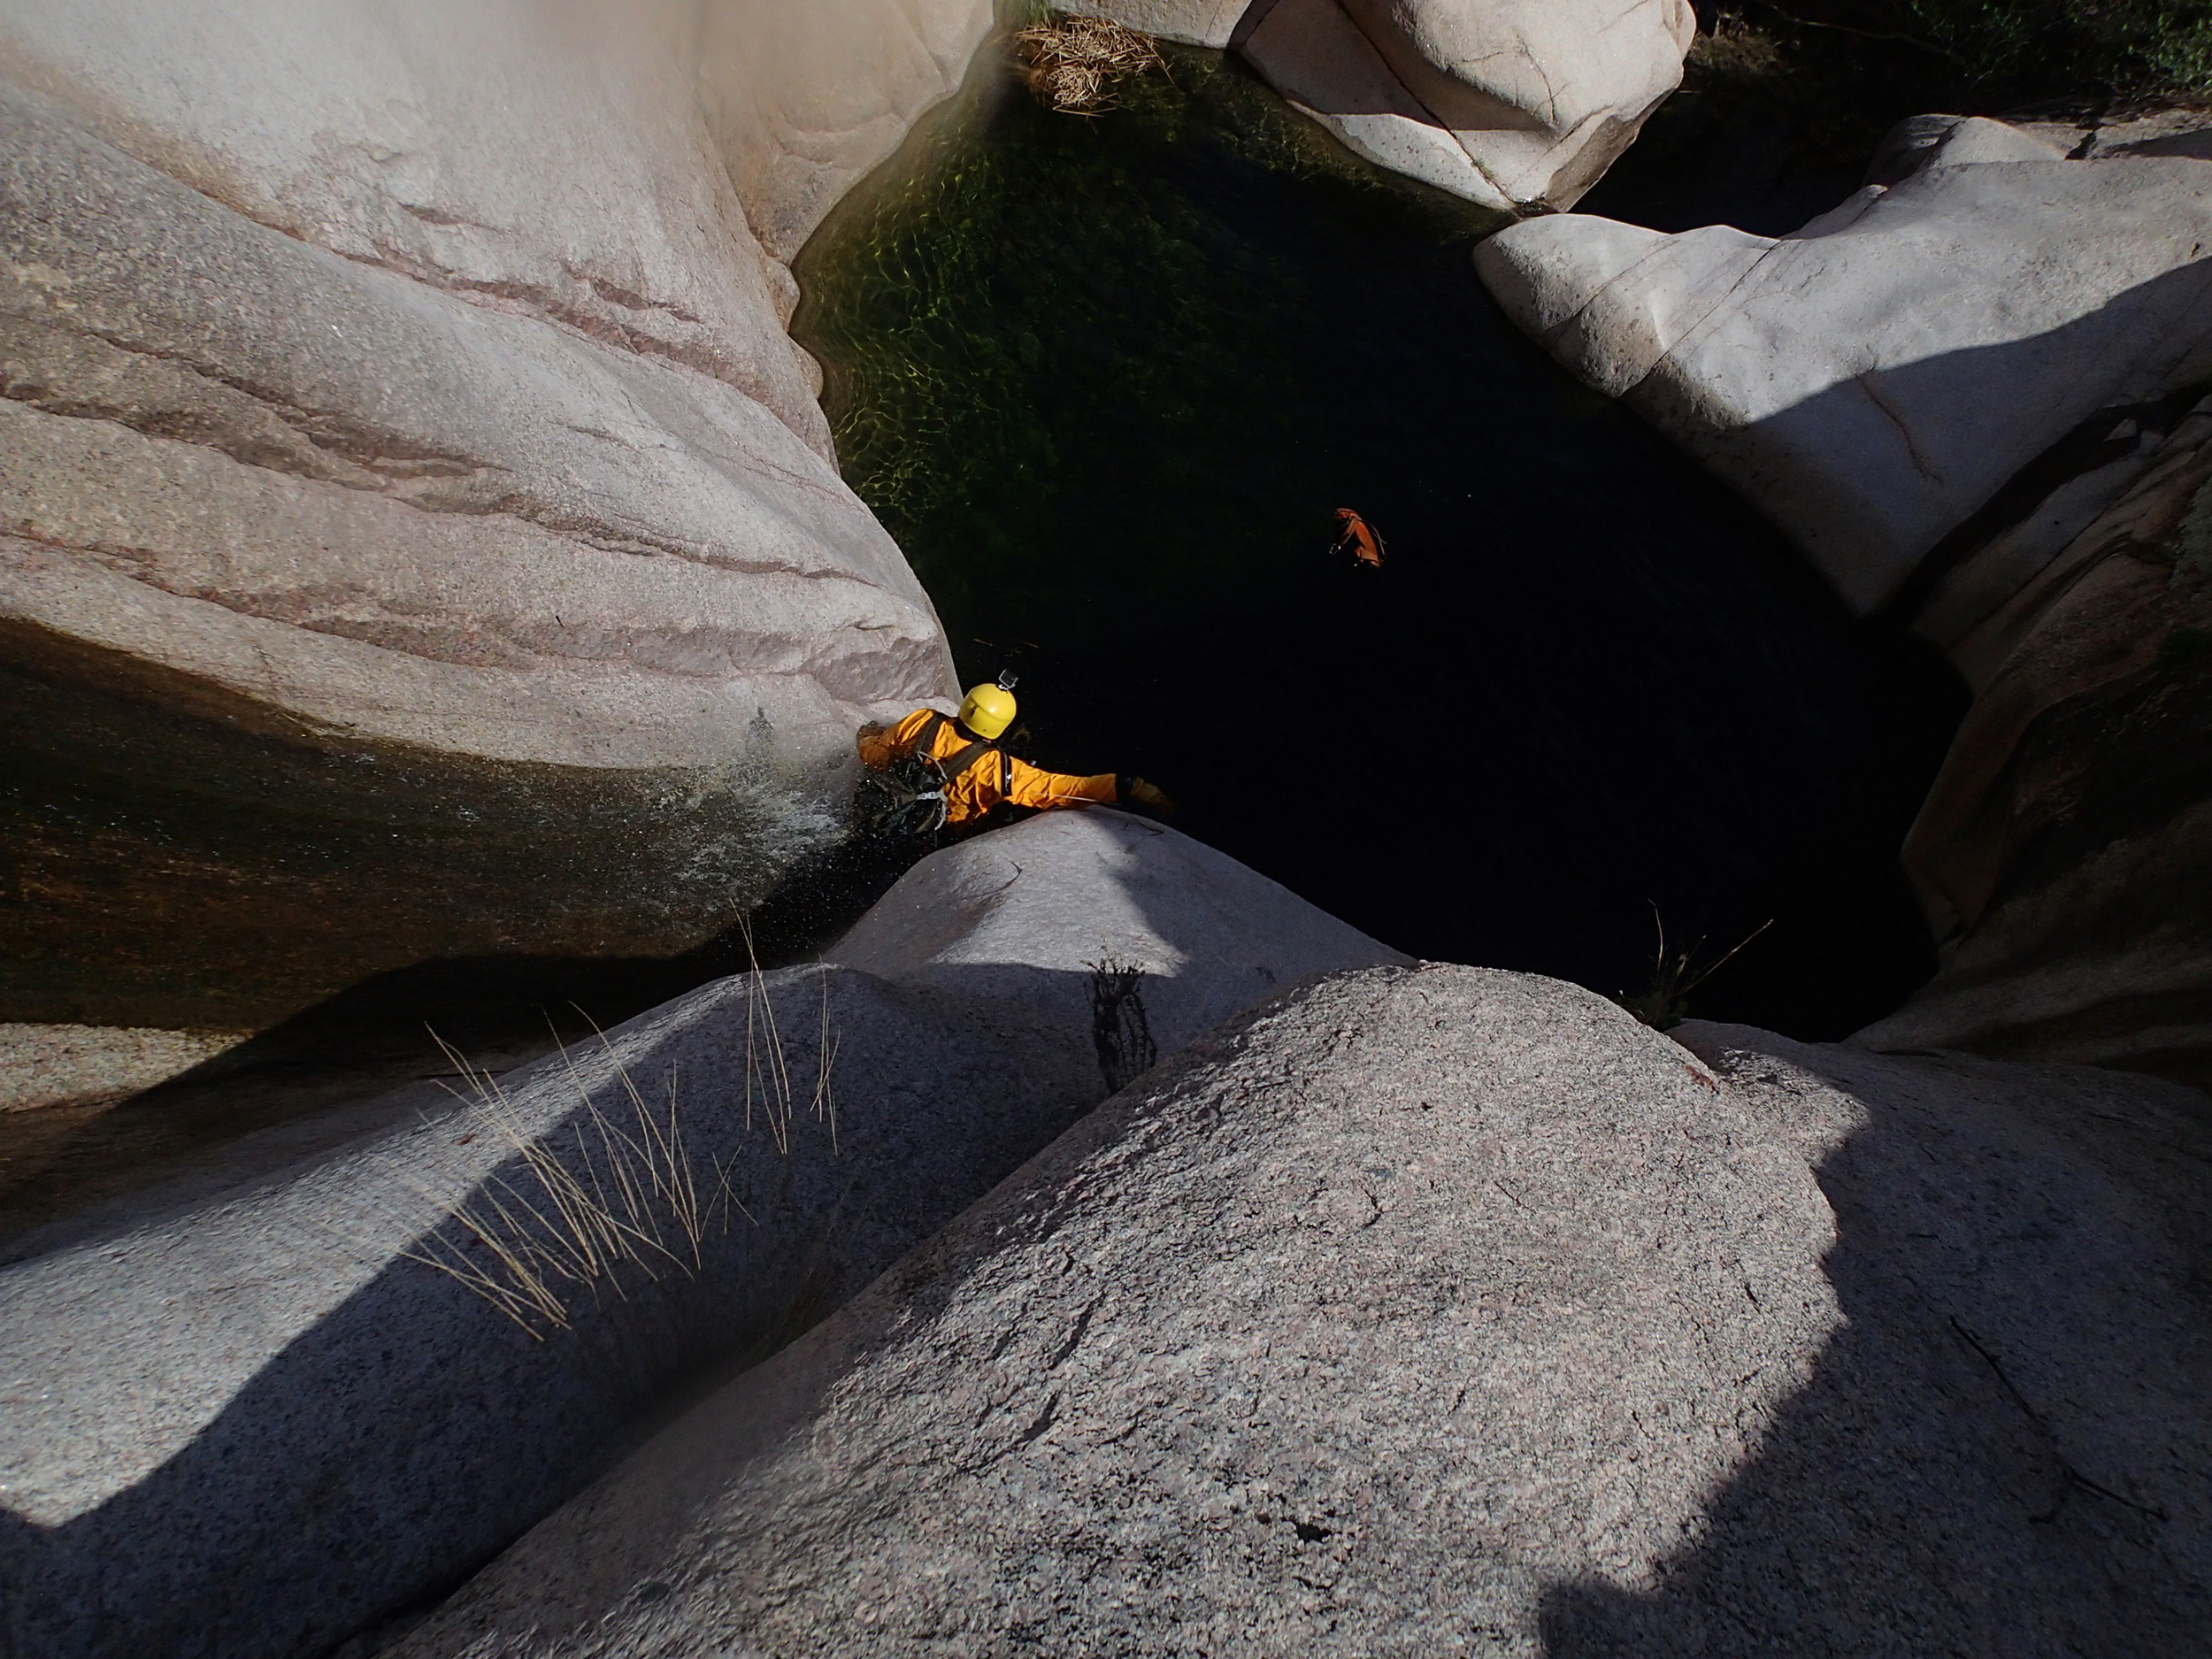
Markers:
point(1106, 380)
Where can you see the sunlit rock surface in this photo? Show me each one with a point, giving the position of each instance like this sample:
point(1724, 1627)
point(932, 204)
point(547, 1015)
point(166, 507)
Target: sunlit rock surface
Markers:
point(1508, 103)
point(1068, 895)
point(247, 1419)
point(43, 1066)
point(1193, 22)
point(1426, 1309)
point(411, 490)
point(1872, 381)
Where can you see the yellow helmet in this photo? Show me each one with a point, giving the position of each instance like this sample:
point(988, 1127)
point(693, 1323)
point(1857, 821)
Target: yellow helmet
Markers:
point(986, 711)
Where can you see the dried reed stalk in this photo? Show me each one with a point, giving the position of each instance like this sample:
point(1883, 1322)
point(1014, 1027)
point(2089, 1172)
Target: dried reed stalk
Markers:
point(1074, 63)
point(627, 1194)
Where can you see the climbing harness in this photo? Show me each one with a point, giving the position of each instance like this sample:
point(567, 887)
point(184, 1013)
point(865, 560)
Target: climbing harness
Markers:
point(907, 800)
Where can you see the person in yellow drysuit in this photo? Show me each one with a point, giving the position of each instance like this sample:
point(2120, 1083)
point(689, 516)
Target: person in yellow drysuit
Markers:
point(979, 776)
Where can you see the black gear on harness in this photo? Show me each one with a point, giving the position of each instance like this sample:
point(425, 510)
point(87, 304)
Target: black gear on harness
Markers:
point(907, 799)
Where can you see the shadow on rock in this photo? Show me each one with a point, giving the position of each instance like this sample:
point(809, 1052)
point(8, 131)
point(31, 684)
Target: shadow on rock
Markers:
point(374, 1056)
point(260, 1424)
point(2004, 1447)
point(1425, 1308)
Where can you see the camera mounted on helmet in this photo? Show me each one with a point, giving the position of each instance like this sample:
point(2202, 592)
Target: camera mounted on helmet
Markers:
point(988, 710)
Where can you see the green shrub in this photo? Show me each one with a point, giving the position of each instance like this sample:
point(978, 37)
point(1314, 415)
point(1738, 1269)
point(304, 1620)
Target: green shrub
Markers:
point(2128, 49)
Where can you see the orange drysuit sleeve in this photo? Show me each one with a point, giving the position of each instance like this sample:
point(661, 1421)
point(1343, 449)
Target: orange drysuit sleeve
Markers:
point(1031, 785)
point(879, 748)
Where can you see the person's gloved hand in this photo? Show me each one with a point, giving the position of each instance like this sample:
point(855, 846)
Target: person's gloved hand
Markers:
point(1137, 792)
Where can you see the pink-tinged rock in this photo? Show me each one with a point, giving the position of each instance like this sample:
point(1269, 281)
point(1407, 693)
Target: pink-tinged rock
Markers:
point(417, 531)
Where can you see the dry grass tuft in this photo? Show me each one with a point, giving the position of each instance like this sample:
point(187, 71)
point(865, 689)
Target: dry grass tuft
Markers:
point(1074, 63)
point(624, 1195)
point(623, 1191)
point(1673, 977)
point(767, 1073)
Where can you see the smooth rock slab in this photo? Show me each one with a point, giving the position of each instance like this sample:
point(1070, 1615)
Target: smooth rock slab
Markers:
point(1193, 22)
point(246, 1423)
point(517, 297)
point(411, 506)
point(1509, 104)
point(1872, 380)
point(1044, 908)
point(641, 172)
point(1424, 1309)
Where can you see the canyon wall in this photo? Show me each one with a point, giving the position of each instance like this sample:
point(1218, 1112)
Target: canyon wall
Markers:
point(422, 537)
point(1974, 396)
point(1514, 104)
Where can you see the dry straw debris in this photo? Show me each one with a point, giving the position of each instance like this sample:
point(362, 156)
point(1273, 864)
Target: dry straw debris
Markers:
point(624, 1192)
point(631, 1200)
point(1075, 63)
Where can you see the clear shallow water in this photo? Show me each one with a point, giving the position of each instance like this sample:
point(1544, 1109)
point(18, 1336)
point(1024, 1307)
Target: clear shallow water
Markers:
point(1106, 381)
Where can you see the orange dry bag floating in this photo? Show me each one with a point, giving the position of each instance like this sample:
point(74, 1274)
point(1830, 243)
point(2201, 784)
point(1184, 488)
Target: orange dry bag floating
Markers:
point(1360, 537)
